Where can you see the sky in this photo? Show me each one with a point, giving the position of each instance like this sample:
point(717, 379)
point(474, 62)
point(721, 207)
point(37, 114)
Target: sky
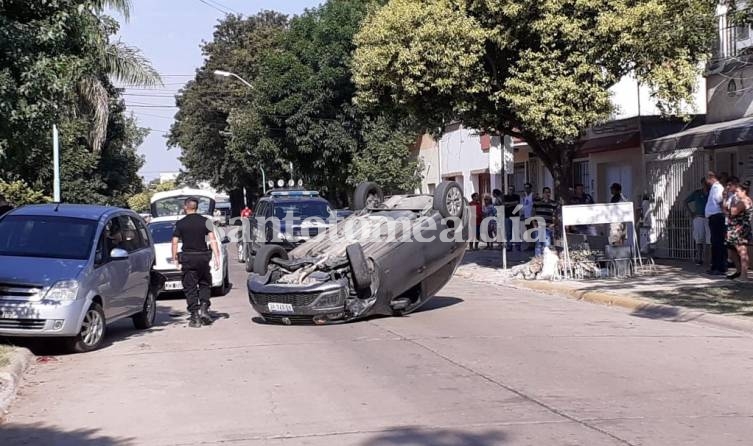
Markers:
point(169, 33)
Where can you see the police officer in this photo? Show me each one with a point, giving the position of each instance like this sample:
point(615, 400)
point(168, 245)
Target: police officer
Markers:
point(194, 259)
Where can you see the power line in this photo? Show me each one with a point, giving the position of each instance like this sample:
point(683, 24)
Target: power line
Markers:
point(214, 7)
point(149, 95)
point(150, 106)
point(140, 113)
point(222, 5)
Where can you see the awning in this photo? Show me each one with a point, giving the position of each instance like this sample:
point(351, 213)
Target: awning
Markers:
point(612, 142)
point(709, 136)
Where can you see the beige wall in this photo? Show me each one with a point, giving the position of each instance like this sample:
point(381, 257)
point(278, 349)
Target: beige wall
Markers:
point(623, 166)
point(428, 154)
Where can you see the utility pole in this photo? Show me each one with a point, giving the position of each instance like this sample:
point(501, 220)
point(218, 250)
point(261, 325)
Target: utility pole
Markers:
point(55, 164)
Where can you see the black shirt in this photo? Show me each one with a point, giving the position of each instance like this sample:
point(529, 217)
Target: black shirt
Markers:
point(511, 202)
point(192, 230)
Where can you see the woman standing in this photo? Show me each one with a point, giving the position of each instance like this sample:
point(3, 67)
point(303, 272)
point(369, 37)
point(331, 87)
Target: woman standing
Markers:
point(489, 211)
point(739, 211)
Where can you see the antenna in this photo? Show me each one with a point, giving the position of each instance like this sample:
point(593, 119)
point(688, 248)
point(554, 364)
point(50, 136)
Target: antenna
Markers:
point(57, 206)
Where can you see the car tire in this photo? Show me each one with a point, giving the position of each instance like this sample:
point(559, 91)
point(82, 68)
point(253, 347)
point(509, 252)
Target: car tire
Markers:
point(264, 255)
point(359, 267)
point(145, 319)
point(93, 320)
point(448, 199)
point(249, 262)
point(367, 194)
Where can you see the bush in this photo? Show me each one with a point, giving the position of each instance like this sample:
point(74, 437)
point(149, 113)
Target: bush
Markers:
point(18, 193)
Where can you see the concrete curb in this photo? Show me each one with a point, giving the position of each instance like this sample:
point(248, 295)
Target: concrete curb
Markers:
point(640, 306)
point(11, 376)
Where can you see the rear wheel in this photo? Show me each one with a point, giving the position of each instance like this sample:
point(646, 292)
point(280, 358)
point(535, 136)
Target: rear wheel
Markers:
point(367, 195)
point(92, 331)
point(145, 319)
point(264, 255)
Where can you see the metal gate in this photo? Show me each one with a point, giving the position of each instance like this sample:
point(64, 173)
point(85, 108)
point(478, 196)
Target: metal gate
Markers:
point(671, 177)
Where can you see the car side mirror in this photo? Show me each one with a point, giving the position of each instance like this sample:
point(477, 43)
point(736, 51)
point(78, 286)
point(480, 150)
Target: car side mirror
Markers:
point(118, 254)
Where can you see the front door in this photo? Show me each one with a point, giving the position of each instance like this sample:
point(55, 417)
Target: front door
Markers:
point(617, 173)
point(139, 263)
point(111, 275)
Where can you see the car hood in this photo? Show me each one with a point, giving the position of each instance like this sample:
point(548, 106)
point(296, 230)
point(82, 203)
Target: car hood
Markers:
point(38, 271)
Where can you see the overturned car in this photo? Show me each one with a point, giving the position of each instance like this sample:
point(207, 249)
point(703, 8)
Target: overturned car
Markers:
point(387, 258)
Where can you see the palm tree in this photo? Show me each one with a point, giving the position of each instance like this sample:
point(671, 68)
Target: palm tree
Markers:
point(118, 61)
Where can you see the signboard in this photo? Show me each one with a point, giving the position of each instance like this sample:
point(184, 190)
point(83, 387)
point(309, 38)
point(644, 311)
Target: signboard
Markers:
point(597, 214)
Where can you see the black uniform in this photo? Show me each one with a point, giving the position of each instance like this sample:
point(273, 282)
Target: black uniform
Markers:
point(194, 259)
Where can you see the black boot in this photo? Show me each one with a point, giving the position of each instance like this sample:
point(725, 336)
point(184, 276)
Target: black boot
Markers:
point(193, 320)
point(206, 319)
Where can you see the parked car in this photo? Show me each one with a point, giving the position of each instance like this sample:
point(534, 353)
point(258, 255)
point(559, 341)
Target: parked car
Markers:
point(222, 213)
point(169, 278)
point(339, 277)
point(67, 271)
point(277, 204)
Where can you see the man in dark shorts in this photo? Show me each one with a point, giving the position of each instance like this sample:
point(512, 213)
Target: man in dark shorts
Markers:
point(194, 259)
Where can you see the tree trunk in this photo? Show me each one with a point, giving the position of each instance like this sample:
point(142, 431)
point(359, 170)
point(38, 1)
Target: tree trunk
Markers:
point(558, 158)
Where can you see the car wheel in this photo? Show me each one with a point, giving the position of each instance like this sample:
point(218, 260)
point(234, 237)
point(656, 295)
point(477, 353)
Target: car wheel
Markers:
point(367, 195)
point(92, 331)
point(359, 267)
point(249, 261)
point(264, 255)
point(145, 319)
point(448, 199)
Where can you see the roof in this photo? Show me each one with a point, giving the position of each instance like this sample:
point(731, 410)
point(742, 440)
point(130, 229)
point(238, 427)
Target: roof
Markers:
point(184, 192)
point(719, 134)
point(86, 211)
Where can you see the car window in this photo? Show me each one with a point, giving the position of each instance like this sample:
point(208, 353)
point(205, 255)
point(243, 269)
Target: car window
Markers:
point(162, 232)
point(131, 240)
point(301, 210)
point(143, 233)
point(46, 236)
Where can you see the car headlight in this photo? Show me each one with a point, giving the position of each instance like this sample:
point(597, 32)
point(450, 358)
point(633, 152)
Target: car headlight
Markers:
point(63, 291)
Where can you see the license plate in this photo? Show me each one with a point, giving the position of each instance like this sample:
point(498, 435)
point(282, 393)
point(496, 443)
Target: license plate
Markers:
point(172, 286)
point(280, 308)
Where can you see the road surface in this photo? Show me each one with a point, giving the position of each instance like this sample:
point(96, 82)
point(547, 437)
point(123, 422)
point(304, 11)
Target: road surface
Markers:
point(480, 365)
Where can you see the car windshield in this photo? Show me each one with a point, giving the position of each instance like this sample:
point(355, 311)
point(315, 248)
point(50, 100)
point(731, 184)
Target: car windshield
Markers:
point(301, 210)
point(169, 207)
point(162, 232)
point(46, 236)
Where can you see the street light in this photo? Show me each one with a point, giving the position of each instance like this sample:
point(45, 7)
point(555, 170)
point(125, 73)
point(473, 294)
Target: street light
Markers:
point(223, 73)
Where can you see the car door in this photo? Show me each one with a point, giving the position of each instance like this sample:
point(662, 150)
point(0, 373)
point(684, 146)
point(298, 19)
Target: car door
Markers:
point(259, 213)
point(140, 259)
point(111, 276)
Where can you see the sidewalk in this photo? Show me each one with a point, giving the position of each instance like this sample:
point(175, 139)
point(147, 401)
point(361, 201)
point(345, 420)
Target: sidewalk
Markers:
point(674, 284)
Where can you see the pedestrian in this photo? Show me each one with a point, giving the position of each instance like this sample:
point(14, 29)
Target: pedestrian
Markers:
point(194, 260)
point(527, 200)
point(616, 190)
point(581, 197)
point(739, 229)
point(5, 207)
point(617, 231)
point(478, 215)
point(490, 212)
point(511, 202)
point(696, 205)
point(546, 209)
point(246, 212)
point(715, 216)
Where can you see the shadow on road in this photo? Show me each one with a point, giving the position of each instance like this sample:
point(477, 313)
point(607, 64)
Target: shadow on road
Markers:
point(438, 302)
point(38, 434)
point(117, 332)
point(414, 436)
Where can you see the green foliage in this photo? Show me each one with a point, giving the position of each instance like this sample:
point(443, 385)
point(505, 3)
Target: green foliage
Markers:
point(140, 202)
point(19, 193)
point(540, 69)
point(55, 63)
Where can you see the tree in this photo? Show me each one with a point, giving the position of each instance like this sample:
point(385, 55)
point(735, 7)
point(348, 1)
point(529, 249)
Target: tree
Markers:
point(19, 193)
point(201, 126)
point(540, 70)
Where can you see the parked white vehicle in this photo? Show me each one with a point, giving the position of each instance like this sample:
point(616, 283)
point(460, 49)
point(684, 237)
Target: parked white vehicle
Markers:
point(166, 210)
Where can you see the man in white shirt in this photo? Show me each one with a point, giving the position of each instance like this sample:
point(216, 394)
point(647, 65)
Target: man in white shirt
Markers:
point(717, 226)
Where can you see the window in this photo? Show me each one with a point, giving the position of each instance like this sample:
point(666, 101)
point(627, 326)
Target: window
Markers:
point(143, 233)
point(46, 237)
point(582, 174)
point(301, 210)
point(162, 232)
point(130, 240)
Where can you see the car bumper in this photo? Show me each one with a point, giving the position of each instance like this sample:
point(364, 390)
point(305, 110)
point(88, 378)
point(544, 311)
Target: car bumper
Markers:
point(41, 319)
point(299, 304)
point(162, 277)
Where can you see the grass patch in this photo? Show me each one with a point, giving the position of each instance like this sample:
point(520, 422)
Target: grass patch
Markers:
point(731, 298)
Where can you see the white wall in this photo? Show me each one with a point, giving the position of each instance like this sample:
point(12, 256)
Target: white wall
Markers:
point(428, 155)
point(626, 97)
point(461, 154)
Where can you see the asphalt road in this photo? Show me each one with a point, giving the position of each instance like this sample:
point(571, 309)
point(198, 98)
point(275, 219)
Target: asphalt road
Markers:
point(480, 365)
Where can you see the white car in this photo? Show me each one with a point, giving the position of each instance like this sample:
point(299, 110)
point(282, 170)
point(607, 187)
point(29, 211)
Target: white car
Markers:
point(162, 229)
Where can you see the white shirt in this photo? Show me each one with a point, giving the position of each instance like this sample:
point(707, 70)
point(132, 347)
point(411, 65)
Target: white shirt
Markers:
point(714, 203)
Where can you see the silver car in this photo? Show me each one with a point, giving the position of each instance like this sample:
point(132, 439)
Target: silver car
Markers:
point(69, 270)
